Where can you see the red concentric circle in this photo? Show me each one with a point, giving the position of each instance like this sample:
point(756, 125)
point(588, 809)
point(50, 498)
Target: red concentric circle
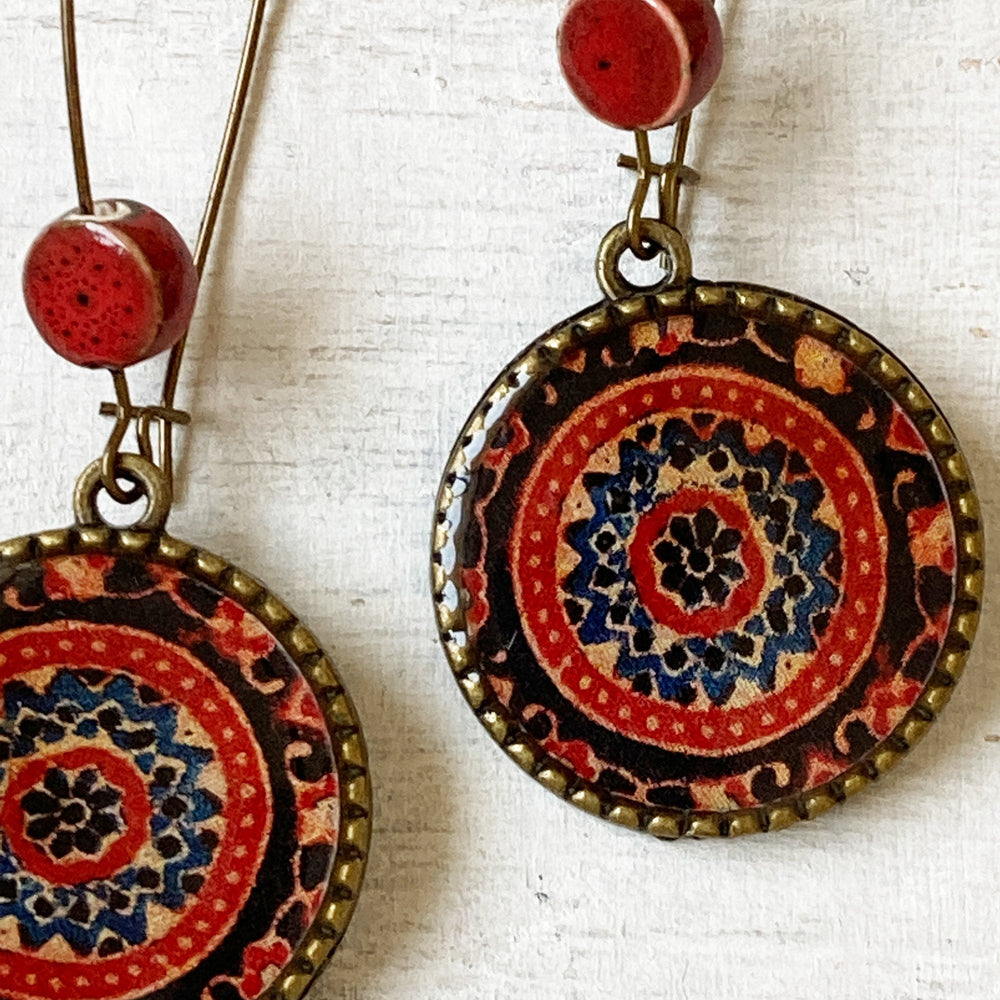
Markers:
point(27, 776)
point(177, 940)
point(539, 560)
point(665, 607)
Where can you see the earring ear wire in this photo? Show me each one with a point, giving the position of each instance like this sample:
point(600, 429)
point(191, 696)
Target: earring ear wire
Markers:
point(187, 810)
point(706, 558)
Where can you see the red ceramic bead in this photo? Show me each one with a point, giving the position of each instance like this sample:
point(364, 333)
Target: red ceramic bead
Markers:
point(110, 289)
point(640, 64)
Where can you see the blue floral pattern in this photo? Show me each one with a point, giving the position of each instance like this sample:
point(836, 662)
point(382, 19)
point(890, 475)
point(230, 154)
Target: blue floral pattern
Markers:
point(696, 560)
point(103, 915)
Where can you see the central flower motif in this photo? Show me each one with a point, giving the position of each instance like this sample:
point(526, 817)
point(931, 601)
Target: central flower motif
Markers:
point(61, 816)
point(696, 552)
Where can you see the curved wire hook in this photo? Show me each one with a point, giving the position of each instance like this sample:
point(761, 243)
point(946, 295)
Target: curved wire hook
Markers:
point(645, 169)
point(166, 414)
point(671, 176)
point(110, 458)
point(72, 75)
point(234, 120)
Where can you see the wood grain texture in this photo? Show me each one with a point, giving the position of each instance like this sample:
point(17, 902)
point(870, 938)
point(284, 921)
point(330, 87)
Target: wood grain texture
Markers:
point(418, 197)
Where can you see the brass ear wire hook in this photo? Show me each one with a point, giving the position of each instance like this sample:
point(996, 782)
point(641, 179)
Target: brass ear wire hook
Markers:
point(109, 459)
point(644, 166)
point(671, 176)
point(234, 120)
point(678, 173)
point(166, 414)
point(73, 106)
point(125, 415)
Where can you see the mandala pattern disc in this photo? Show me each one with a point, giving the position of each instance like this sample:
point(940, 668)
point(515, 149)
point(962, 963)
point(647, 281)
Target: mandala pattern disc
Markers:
point(183, 794)
point(707, 562)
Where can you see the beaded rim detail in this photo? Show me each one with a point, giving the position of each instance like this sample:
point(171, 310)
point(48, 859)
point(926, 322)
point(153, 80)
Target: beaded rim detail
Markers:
point(341, 720)
point(784, 311)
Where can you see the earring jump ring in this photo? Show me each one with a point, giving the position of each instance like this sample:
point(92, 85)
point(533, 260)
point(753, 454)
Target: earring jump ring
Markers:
point(148, 481)
point(662, 238)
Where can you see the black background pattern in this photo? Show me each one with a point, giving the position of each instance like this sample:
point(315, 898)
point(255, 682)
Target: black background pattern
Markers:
point(718, 340)
point(133, 601)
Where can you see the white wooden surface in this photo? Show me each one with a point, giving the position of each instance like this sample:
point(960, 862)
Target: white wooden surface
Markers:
point(420, 196)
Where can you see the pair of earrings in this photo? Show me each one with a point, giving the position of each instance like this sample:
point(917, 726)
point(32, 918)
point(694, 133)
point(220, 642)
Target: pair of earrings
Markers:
point(706, 560)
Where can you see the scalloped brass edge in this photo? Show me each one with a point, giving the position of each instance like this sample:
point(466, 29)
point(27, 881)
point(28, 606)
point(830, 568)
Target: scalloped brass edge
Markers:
point(340, 717)
point(776, 308)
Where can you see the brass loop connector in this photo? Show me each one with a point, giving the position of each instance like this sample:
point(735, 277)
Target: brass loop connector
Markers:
point(662, 239)
point(671, 176)
point(125, 415)
point(148, 483)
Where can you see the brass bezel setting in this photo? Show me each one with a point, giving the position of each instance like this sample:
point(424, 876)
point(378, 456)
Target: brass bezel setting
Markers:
point(779, 309)
point(350, 753)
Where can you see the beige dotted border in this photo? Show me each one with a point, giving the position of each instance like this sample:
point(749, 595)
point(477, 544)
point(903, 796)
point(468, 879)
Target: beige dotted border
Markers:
point(801, 317)
point(349, 751)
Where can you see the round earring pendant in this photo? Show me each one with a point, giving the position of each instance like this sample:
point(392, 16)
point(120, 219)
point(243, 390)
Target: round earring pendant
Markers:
point(707, 562)
point(184, 797)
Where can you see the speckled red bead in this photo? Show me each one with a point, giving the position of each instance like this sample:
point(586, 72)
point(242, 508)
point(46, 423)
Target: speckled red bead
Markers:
point(640, 64)
point(110, 289)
